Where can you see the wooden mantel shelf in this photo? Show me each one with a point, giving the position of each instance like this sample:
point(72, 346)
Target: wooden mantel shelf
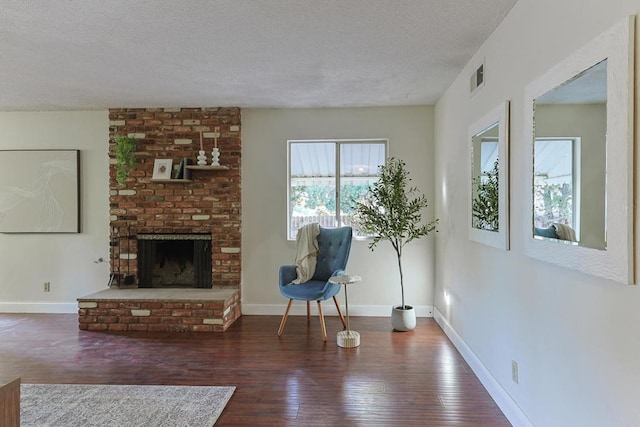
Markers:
point(172, 181)
point(207, 168)
point(193, 168)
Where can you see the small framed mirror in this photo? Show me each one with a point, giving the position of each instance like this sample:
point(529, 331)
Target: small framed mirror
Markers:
point(489, 184)
point(579, 124)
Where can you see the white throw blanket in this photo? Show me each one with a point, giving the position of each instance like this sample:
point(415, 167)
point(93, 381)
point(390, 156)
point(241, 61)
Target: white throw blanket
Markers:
point(565, 232)
point(307, 245)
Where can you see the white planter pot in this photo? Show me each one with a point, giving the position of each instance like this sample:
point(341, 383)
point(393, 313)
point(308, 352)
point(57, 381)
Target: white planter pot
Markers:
point(403, 319)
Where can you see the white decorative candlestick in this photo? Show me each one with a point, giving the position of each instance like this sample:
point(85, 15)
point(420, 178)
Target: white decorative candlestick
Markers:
point(215, 157)
point(215, 153)
point(202, 158)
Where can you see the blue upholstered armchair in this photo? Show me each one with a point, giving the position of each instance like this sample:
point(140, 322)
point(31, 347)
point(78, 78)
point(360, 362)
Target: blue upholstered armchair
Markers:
point(334, 245)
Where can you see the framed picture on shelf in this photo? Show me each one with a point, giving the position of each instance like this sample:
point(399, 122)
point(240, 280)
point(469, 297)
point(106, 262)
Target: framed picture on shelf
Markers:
point(179, 172)
point(162, 169)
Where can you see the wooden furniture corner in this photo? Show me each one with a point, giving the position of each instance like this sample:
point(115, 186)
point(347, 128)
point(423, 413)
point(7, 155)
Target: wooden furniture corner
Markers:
point(10, 403)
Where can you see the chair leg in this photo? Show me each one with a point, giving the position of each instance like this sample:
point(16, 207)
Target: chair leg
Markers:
point(322, 326)
point(344, 323)
point(308, 311)
point(284, 318)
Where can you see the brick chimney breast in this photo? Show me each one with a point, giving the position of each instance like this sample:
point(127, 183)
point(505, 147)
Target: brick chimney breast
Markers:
point(209, 202)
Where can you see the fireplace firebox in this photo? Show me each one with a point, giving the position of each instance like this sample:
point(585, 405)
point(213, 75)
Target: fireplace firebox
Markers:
point(174, 261)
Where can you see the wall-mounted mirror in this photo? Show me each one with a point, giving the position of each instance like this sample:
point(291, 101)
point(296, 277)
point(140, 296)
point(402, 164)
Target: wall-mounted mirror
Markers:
point(489, 183)
point(579, 123)
point(569, 160)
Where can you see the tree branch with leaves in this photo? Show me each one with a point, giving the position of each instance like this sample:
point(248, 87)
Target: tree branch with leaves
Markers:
point(486, 203)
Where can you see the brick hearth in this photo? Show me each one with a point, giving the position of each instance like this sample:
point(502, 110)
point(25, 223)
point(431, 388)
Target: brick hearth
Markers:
point(159, 310)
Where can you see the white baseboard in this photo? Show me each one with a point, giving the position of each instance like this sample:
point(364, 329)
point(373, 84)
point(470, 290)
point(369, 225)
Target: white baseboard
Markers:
point(299, 308)
point(509, 407)
point(38, 307)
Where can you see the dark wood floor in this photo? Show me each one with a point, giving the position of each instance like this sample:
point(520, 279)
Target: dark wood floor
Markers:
point(412, 378)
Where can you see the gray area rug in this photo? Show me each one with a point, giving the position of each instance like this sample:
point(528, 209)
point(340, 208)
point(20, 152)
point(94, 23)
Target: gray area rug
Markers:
point(65, 405)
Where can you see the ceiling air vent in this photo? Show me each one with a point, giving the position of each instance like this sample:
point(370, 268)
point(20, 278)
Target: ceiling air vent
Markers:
point(477, 79)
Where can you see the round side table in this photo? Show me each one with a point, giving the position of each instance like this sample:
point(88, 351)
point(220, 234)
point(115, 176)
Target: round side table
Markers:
point(348, 338)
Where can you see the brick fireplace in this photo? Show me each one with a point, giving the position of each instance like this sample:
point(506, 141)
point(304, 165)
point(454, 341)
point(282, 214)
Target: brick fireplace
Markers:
point(206, 204)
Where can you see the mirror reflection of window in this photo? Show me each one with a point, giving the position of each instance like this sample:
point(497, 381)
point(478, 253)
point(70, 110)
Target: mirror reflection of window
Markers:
point(485, 194)
point(570, 172)
point(488, 155)
point(556, 195)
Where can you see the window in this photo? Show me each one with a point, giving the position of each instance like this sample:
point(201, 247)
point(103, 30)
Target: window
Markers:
point(324, 176)
point(557, 182)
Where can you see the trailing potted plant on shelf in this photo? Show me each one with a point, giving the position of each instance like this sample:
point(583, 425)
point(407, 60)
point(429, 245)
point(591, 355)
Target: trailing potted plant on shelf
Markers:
point(392, 210)
point(125, 157)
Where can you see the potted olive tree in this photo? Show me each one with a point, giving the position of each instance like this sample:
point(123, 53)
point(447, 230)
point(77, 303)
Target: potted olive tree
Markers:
point(392, 210)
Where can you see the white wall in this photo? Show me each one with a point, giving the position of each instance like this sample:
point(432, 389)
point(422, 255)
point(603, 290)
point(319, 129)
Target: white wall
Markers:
point(575, 337)
point(65, 260)
point(264, 205)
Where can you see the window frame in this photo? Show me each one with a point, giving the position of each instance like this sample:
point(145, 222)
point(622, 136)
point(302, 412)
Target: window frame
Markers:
point(576, 177)
point(337, 153)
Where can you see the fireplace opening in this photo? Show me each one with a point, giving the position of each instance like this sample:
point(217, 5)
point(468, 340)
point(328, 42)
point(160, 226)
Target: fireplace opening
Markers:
point(174, 261)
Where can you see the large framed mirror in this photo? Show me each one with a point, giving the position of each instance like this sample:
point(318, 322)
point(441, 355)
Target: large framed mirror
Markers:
point(579, 125)
point(489, 184)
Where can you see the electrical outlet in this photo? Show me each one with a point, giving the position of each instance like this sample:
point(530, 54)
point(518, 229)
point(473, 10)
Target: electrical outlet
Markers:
point(514, 371)
point(47, 286)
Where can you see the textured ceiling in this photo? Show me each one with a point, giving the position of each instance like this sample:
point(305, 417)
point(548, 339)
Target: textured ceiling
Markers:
point(95, 54)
